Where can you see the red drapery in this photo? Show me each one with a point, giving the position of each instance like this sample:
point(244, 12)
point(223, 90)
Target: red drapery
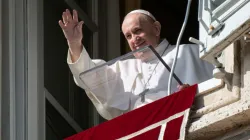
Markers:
point(145, 123)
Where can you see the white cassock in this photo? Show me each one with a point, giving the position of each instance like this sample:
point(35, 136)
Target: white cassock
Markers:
point(115, 89)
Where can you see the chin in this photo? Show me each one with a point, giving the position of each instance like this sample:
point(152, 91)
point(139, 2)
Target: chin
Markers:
point(144, 56)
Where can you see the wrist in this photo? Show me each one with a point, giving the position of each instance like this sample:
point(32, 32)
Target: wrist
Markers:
point(75, 54)
point(74, 43)
point(75, 48)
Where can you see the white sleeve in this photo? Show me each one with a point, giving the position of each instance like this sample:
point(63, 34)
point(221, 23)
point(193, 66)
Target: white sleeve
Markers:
point(85, 63)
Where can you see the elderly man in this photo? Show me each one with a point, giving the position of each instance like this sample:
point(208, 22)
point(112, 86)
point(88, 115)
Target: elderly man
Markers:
point(140, 28)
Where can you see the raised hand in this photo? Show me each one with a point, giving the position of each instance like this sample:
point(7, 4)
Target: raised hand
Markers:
point(72, 30)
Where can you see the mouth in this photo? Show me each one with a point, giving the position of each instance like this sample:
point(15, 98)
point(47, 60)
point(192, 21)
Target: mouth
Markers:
point(140, 54)
point(140, 45)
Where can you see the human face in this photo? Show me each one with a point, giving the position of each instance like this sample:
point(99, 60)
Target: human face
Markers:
point(140, 32)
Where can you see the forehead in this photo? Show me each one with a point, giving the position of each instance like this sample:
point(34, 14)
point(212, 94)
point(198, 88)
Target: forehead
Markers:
point(133, 20)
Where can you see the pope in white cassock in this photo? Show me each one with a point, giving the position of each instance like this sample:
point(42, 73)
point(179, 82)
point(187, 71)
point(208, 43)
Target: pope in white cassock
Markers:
point(132, 77)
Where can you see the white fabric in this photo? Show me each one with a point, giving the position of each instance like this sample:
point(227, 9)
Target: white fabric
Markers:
point(140, 11)
point(127, 78)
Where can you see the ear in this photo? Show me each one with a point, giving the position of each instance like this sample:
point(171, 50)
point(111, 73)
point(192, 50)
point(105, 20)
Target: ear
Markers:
point(157, 26)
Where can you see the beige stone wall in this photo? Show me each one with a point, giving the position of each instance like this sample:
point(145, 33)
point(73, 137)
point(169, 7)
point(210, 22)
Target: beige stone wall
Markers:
point(226, 109)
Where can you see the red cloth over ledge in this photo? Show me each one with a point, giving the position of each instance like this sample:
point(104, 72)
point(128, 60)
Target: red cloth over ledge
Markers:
point(141, 123)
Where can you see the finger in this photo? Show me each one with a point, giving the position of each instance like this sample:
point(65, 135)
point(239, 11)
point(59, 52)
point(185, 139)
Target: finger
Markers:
point(64, 17)
point(69, 16)
point(187, 85)
point(181, 87)
point(178, 86)
point(75, 16)
point(61, 24)
point(80, 23)
point(79, 26)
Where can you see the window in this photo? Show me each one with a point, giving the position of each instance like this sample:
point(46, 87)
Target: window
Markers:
point(66, 104)
point(221, 23)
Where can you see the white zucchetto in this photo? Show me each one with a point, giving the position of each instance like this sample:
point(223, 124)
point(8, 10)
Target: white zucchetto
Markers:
point(140, 11)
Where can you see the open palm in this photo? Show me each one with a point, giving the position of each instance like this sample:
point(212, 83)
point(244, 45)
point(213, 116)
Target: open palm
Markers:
point(72, 29)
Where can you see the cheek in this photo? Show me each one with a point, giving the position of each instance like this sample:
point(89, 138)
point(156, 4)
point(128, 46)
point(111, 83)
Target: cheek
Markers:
point(131, 48)
point(130, 45)
point(151, 39)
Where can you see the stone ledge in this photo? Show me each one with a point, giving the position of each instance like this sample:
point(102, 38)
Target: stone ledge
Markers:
point(220, 121)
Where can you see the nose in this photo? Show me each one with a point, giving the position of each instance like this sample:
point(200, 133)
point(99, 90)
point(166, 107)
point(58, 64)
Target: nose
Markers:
point(136, 39)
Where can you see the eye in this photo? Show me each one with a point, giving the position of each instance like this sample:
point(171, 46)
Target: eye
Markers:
point(138, 31)
point(128, 36)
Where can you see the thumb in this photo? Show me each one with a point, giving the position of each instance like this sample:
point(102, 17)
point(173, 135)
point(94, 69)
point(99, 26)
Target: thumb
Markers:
point(80, 24)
